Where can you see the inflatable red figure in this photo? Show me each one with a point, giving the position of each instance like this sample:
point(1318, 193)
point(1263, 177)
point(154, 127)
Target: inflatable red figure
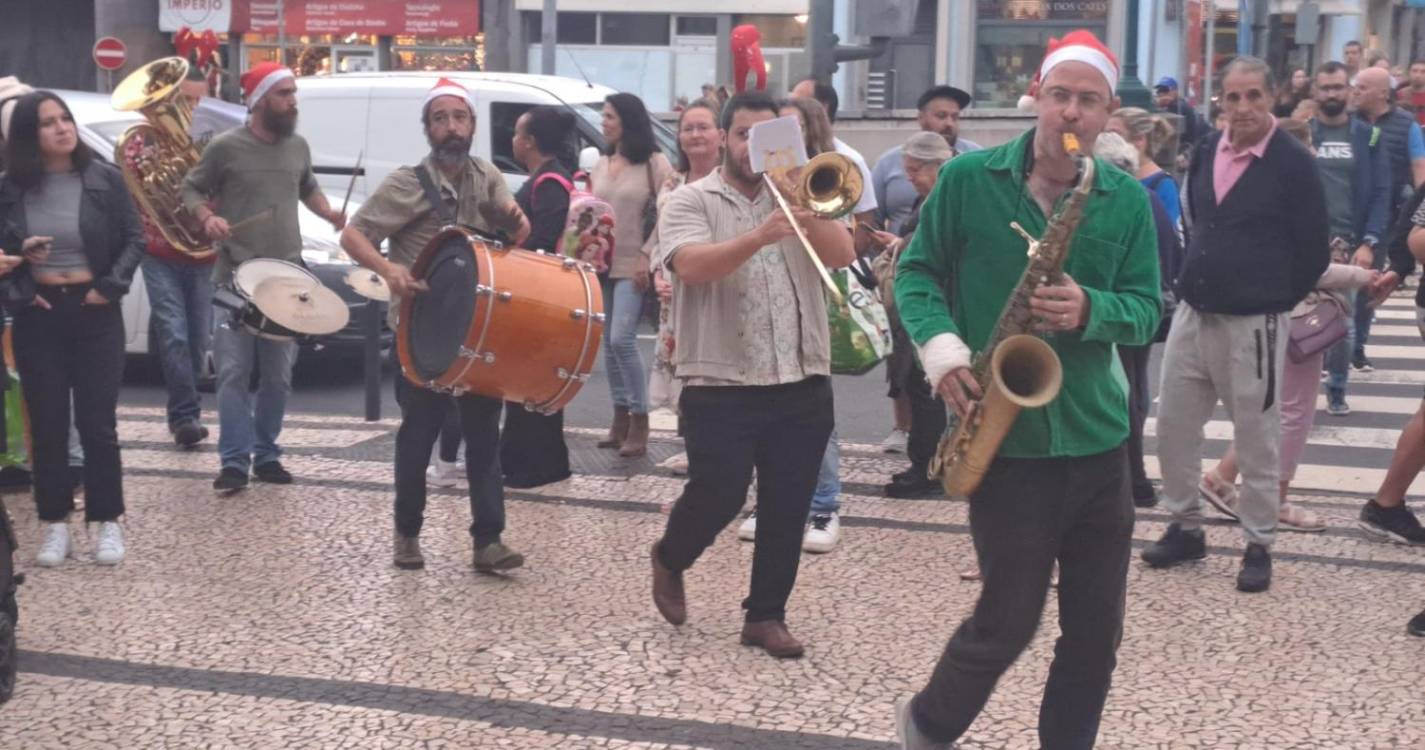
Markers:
point(748, 69)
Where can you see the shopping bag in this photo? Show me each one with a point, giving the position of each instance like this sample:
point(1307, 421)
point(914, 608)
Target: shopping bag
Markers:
point(860, 330)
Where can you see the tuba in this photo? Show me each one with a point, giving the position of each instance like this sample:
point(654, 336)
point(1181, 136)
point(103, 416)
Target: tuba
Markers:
point(156, 155)
point(1016, 369)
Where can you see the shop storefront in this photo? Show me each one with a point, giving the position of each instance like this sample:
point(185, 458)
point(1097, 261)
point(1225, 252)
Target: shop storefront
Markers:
point(1010, 36)
point(325, 36)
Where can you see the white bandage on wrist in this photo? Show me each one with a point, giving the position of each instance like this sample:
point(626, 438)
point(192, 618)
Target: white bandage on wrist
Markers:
point(941, 354)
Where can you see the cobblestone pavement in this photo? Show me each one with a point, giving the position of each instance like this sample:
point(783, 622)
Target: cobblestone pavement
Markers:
point(274, 619)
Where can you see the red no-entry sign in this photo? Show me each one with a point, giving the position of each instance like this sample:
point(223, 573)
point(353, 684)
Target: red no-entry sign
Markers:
point(110, 53)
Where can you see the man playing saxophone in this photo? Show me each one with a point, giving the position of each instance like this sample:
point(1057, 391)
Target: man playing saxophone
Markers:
point(1058, 489)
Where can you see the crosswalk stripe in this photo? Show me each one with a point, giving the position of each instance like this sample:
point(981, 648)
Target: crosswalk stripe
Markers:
point(1327, 435)
point(1319, 478)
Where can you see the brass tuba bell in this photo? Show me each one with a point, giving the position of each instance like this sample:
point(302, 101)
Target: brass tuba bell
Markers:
point(156, 155)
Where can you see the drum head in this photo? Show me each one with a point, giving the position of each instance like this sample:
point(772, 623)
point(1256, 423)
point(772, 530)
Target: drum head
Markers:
point(253, 272)
point(441, 317)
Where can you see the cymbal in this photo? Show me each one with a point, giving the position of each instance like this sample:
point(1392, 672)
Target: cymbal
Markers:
point(297, 305)
point(368, 284)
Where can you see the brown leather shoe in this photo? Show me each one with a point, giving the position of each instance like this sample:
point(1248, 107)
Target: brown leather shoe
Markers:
point(636, 444)
point(773, 636)
point(408, 552)
point(668, 592)
point(618, 431)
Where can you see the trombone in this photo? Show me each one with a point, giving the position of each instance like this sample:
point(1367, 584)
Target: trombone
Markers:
point(829, 186)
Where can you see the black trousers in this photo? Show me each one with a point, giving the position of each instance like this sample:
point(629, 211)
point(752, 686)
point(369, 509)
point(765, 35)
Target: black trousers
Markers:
point(423, 412)
point(1140, 399)
point(781, 430)
point(927, 419)
point(532, 447)
point(450, 433)
point(1026, 514)
point(73, 348)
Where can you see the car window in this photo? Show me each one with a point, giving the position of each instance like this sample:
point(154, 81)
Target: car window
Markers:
point(503, 116)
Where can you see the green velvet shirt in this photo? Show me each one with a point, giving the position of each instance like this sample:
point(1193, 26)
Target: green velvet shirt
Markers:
point(965, 251)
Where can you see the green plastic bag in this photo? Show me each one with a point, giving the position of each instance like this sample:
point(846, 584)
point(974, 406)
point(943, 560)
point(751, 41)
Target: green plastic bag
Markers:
point(14, 450)
point(860, 330)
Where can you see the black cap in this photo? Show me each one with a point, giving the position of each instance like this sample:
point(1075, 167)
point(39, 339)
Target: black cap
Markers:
point(960, 96)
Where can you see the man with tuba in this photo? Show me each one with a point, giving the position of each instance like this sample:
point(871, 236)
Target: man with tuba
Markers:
point(1059, 487)
point(262, 168)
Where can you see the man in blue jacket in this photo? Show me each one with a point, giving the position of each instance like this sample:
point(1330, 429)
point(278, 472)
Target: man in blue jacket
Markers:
point(1356, 179)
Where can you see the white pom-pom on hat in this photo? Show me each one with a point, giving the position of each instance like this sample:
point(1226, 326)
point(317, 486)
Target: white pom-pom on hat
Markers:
point(1026, 104)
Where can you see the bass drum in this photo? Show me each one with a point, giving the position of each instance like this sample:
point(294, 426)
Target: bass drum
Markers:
point(504, 323)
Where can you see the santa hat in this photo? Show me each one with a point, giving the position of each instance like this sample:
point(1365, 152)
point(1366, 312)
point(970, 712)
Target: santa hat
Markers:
point(1078, 45)
point(447, 87)
point(260, 79)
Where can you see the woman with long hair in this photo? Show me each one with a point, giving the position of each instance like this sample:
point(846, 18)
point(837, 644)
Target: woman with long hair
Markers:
point(73, 220)
point(1298, 91)
point(816, 125)
point(699, 152)
point(1148, 132)
point(628, 176)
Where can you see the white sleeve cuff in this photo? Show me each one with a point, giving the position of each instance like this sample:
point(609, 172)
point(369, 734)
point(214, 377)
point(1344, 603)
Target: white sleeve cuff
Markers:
point(941, 354)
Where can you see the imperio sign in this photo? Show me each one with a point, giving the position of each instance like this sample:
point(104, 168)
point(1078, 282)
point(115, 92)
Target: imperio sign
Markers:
point(198, 15)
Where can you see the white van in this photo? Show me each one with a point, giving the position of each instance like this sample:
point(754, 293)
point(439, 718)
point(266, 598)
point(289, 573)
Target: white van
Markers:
point(378, 116)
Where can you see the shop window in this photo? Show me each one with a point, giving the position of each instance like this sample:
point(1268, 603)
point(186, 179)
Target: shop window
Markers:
point(573, 28)
point(697, 25)
point(641, 29)
point(434, 58)
point(1010, 39)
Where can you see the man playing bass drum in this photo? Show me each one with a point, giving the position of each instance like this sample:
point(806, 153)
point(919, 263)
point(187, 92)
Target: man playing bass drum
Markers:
point(1059, 486)
point(470, 191)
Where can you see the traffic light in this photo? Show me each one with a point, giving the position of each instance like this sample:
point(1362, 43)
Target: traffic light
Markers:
point(877, 19)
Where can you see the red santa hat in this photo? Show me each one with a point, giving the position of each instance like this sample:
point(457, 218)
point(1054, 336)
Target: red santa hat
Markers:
point(260, 79)
point(1078, 45)
point(447, 87)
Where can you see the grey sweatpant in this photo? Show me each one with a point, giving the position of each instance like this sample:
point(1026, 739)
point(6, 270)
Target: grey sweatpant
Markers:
point(1236, 359)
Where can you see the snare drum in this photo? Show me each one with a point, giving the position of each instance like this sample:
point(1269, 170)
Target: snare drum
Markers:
point(246, 278)
point(500, 322)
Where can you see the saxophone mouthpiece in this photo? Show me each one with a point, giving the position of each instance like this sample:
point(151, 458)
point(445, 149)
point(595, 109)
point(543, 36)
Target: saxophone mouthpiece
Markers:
point(1071, 143)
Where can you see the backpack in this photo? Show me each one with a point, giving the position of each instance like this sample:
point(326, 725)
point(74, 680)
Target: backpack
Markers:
point(588, 233)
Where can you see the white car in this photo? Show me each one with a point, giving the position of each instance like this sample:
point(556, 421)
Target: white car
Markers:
point(377, 116)
point(100, 127)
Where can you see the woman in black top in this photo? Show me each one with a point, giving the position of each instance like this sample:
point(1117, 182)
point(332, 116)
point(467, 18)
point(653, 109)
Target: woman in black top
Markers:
point(72, 219)
point(532, 448)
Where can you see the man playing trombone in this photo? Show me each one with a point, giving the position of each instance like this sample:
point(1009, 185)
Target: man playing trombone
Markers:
point(754, 352)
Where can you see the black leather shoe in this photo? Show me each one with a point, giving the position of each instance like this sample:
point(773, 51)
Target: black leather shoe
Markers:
point(1416, 626)
point(1176, 546)
point(1256, 573)
point(189, 434)
point(272, 472)
point(230, 480)
point(912, 484)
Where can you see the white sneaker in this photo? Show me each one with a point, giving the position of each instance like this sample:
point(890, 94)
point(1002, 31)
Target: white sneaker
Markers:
point(110, 550)
point(823, 532)
point(55, 547)
point(677, 464)
point(748, 530)
point(895, 442)
point(444, 473)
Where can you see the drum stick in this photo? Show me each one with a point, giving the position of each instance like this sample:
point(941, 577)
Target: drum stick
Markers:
point(354, 172)
point(263, 214)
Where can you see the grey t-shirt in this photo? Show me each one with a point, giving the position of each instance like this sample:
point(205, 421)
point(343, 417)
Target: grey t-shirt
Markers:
point(245, 177)
point(1335, 163)
point(52, 210)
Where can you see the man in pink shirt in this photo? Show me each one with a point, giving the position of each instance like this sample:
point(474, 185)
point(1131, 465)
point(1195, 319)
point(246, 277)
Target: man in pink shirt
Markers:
point(1257, 225)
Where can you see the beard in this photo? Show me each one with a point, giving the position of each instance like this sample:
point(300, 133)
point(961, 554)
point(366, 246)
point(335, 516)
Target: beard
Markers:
point(451, 150)
point(738, 170)
point(1332, 107)
point(281, 125)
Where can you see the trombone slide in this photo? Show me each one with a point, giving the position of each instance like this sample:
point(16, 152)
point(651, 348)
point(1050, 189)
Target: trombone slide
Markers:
point(801, 235)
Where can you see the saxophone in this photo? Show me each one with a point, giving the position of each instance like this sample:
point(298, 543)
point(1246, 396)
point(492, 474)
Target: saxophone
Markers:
point(1016, 369)
point(155, 155)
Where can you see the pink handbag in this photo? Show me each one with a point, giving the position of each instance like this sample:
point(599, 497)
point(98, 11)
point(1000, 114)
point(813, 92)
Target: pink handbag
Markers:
point(1315, 331)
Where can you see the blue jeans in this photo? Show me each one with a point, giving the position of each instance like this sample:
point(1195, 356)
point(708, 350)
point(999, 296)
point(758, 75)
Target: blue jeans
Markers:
point(827, 498)
point(1338, 360)
point(248, 427)
point(628, 380)
point(181, 299)
point(1365, 315)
